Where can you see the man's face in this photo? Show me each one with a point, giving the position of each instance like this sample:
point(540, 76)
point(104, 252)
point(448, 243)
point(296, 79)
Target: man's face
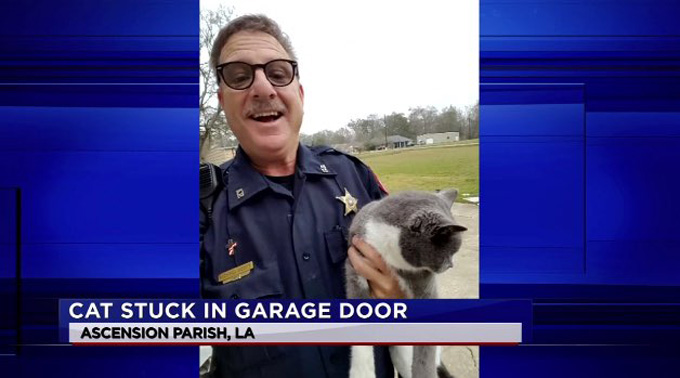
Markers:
point(247, 110)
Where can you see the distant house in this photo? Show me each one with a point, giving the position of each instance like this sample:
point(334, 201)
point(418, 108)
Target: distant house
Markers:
point(436, 138)
point(392, 141)
point(398, 141)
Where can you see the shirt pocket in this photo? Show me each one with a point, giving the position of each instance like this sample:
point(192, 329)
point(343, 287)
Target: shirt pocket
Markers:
point(336, 247)
point(336, 244)
point(261, 282)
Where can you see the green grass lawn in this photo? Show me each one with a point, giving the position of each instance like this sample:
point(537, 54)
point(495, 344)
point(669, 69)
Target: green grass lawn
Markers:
point(427, 168)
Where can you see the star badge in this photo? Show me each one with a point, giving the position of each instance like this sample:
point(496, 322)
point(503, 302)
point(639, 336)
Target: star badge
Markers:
point(349, 201)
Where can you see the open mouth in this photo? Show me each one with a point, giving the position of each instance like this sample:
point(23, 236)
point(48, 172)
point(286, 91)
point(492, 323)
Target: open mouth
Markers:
point(266, 117)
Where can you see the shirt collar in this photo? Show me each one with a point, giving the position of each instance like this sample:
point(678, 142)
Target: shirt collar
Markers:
point(244, 182)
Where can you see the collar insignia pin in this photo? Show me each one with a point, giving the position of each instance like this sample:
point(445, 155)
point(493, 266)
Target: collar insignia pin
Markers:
point(349, 201)
point(240, 193)
point(323, 168)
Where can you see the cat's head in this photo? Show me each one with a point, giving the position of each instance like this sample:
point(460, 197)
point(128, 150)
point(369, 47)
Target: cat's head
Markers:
point(429, 233)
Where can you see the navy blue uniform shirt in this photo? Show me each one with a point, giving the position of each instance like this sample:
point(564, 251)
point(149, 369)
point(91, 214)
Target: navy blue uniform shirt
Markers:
point(298, 244)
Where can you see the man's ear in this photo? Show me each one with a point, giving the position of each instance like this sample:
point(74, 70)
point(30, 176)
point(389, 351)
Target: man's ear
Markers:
point(302, 94)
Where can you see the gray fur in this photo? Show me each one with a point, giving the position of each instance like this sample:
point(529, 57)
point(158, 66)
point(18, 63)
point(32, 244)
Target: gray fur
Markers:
point(428, 238)
point(424, 361)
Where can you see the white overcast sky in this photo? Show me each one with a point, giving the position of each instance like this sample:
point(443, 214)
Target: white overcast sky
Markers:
point(367, 57)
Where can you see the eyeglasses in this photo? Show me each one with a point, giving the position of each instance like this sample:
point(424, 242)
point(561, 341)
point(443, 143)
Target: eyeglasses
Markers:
point(240, 75)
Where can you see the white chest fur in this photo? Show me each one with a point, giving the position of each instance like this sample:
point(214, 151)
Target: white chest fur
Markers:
point(385, 238)
point(363, 363)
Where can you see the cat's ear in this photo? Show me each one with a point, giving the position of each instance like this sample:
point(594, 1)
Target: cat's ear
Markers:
point(459, 228)
point(449, 228)
point(442, 233)
point(432, 223)
point(449, 195)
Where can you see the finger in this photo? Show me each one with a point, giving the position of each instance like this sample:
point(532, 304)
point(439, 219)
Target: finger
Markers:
point(362, 246)
point(354, 243)
point(371, 254)
point(364, 250)
point(379, 282)
point(361, 265)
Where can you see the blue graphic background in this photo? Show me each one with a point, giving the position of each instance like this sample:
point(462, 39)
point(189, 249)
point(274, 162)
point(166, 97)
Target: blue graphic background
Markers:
point(580, 103)
point(580, 119)
point(98, 155)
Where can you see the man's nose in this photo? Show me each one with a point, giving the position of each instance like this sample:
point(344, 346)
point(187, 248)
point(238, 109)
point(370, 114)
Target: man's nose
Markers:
point(261, 87)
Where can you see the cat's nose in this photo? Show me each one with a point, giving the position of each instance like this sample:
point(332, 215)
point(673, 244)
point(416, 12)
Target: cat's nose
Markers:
point(448, 264)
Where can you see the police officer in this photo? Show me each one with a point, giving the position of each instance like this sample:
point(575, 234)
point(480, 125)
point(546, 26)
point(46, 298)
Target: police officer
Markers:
point(279, 226)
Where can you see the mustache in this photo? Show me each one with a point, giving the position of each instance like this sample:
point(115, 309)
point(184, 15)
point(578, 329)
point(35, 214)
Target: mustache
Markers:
point(265, 106)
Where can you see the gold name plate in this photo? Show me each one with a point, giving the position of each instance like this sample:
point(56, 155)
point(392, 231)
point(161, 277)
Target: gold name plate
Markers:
point(237, 273)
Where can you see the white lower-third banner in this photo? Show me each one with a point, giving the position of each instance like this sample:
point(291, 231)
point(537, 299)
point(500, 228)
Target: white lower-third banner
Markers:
point(296, 333)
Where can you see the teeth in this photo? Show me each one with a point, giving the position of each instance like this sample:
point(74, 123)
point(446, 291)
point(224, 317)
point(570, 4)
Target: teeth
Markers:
point(267, 114)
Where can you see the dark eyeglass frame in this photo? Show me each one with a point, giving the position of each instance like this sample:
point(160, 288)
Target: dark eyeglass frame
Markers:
point(220, 73)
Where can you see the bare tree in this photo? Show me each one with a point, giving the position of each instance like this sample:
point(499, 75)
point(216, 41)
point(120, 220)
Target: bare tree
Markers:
point(212, 122)
point(423, 119)
point(472, 119)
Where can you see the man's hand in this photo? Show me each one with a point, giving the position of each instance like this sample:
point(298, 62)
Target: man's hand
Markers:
point(370, 265)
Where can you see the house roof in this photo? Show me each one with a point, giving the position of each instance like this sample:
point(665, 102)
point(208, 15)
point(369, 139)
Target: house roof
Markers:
point(397, 138)
point(390, 139)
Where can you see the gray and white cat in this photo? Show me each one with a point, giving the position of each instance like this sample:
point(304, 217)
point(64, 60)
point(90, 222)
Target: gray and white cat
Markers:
point(416, 235)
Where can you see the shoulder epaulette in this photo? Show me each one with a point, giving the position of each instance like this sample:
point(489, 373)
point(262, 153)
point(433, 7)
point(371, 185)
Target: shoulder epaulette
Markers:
point(224, 166)
point(325, 150)
point(320, 150)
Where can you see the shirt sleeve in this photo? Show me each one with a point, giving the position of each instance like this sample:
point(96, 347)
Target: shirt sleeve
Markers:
point(373, 185)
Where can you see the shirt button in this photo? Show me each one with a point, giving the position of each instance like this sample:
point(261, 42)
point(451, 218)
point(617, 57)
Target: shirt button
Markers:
point(234, 296)
point(306, 256)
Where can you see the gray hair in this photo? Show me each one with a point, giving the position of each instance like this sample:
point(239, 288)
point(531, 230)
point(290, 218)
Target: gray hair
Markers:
point(251, 23)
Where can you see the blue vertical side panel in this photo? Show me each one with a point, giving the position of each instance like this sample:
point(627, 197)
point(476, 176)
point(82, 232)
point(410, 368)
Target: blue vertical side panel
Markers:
point(99, 132)
point(8, 271)
point(532, 147)
point(624, 56)
point(633, 208)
